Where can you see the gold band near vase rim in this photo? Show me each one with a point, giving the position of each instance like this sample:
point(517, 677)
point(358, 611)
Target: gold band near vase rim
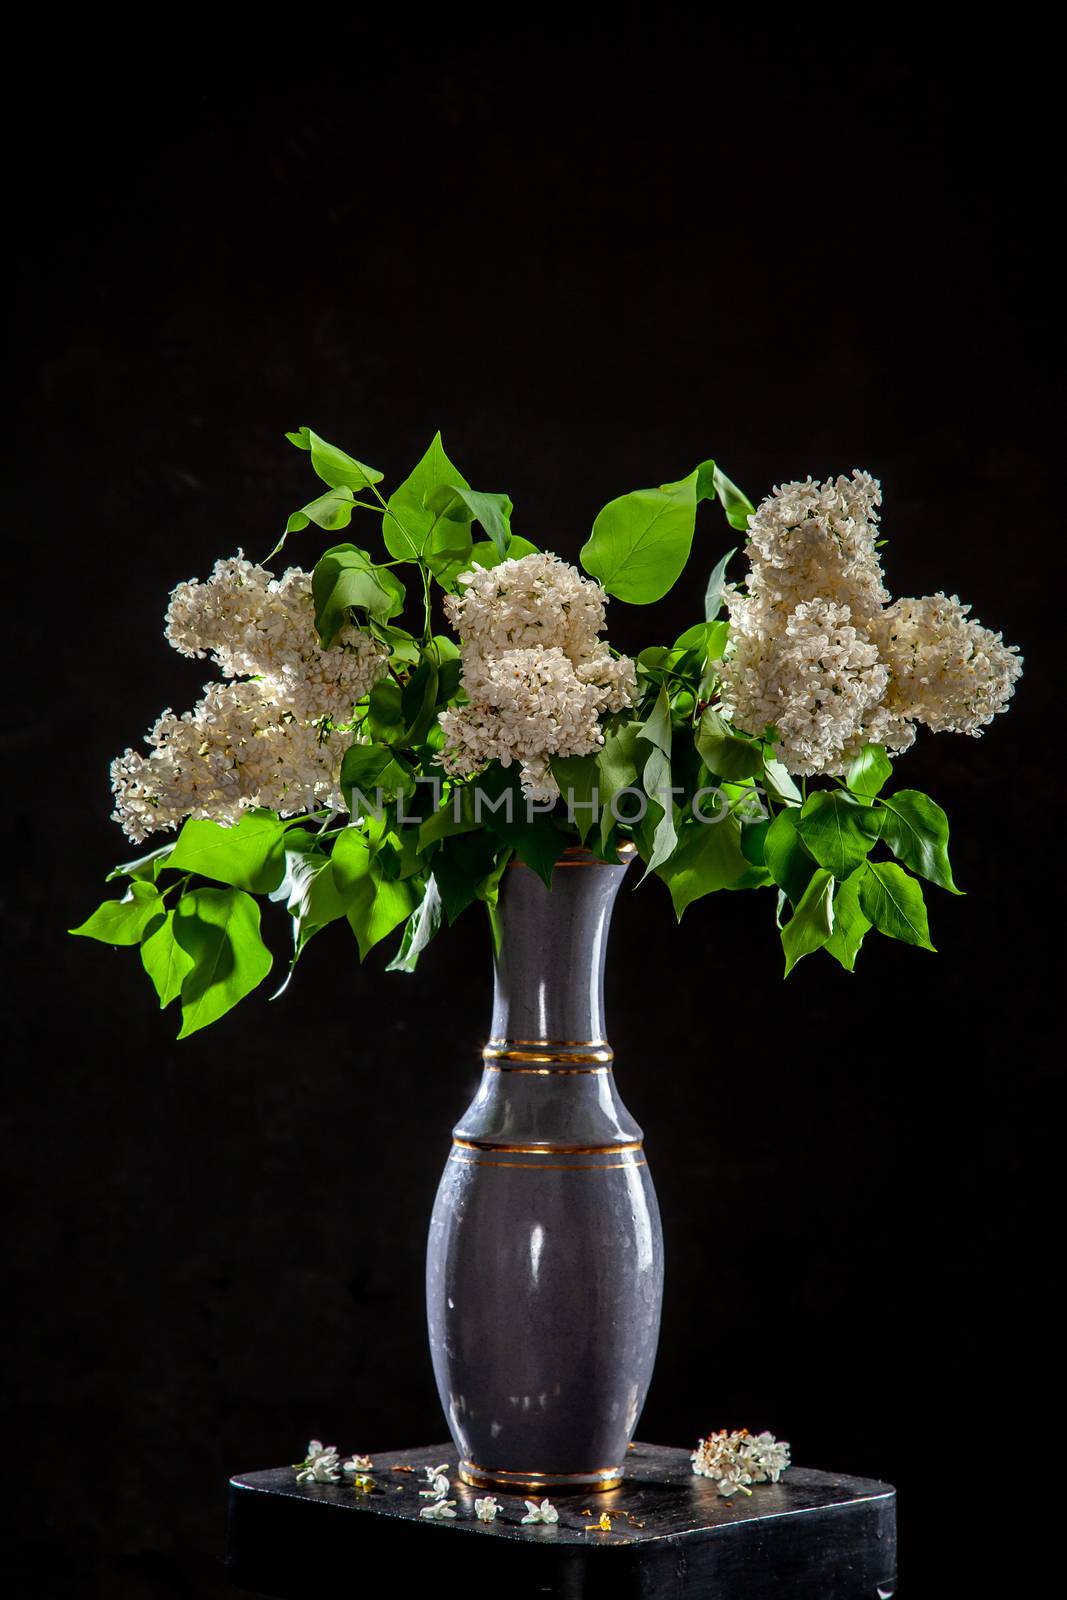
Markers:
point(549, 1166)
point(599, 1479)
point(546, 1149)
point(563, 1054)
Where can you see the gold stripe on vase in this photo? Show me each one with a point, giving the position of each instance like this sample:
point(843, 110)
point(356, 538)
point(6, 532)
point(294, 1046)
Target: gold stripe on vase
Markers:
point(545, 1072)
point(547, 1166)
point(571, 1052)
point(548, 1149)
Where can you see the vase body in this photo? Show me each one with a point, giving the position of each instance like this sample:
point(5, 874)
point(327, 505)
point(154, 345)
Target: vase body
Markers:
point(545, 1263)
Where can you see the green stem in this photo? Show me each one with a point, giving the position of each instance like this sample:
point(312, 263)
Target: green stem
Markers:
point(427, 608)
point(427, 631)
point(386, 512)
point(179, 883)
point(743, 799)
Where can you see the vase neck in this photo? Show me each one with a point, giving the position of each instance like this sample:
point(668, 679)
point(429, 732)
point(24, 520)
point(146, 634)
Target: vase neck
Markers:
point(549, 970)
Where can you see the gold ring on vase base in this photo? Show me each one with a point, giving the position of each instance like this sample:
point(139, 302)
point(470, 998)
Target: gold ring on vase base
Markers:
point(598, 1481)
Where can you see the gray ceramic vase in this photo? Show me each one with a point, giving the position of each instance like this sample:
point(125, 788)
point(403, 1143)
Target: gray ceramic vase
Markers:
point(544, 1272)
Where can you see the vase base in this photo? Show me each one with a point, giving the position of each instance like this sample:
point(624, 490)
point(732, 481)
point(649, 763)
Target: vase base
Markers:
point(501, 1478)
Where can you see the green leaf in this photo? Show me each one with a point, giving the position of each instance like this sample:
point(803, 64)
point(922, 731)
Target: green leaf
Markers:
point(459, 504)
point(641, 541)
point(868, 772)
point(487, 555)
point(830, 826)
point(320, 903)
point(893, 902)
point(489, 895)
point(147, 867)
point(420, 928)
point(460, 866)
point(445, 824)
point(618, 764)
point(449, 677)
point(716, 585)
point(123, 921)
point(692, 639)
point(370, 767)
point(249, 855)
point(788, 863)
point(656, 780)
point(346, 576)
point(708, 857)
point(400, 644)
point(754, 843)
point(419, 700)
point(165, 961)
point(812, 922)
point(690, 653)
point(745, 802)
point(408, 522)
point(311, 893)
point(737, 506)
point(531, 835)
point(534, 840)
point(657, 729)
point(445, 649)
point(850, 923)
point(777, 782)
point(302, 863)
point(577, 777)
point(384, 707)
point(448, 552)
point(219, 929)
point(331, 511)
point(723, 752)
point(653, 661)
point(376, 905)
point(537, 843)
point(332, 465)
point(716, 636)
point(916, 830)
point(657, 783)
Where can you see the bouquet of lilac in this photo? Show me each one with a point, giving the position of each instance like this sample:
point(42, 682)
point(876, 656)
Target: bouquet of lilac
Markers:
point(353, 771)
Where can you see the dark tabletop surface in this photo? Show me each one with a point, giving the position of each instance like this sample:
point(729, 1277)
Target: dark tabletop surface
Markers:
point(661, 1497)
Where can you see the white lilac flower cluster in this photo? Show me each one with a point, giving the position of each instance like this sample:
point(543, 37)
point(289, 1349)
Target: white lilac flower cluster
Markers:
point(817, 651)
point(436, 1493)
point(545, 1512)
point(321, 1465)
point(273, 738)
point(735, 1460)
point(357, 1470)
point(536, 675)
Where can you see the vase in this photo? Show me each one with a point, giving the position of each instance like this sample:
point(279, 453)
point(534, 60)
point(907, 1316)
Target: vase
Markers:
point(544, 1272)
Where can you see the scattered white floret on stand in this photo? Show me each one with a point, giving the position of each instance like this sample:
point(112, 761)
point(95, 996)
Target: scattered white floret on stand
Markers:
point(735, 1460)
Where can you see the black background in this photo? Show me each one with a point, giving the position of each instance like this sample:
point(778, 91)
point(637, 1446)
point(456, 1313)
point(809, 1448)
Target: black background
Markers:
point(591, 261)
